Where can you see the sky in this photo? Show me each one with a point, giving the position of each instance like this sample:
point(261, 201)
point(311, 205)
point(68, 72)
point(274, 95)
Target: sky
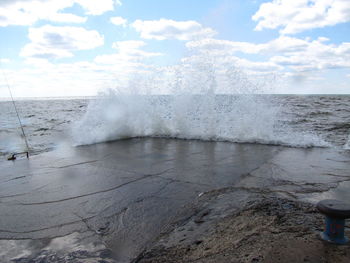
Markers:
point(54, 48)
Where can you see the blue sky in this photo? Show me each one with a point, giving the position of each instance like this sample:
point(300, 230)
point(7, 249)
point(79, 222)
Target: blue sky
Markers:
point(80, 47)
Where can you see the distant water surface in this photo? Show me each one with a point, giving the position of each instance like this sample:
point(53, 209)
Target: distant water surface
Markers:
point(49, 122)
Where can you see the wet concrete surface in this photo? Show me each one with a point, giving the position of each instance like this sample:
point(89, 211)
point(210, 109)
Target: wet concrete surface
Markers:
point(107, 202)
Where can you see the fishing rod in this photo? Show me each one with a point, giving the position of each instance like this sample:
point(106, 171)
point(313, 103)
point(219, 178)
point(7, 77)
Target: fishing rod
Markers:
point(13, 156)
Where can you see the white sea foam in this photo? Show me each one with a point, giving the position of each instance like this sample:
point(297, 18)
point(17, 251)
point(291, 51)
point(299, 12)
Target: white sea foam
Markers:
point(189, 113)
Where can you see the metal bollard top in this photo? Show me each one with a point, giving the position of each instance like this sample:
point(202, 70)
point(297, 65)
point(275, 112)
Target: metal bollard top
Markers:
point(334, 208)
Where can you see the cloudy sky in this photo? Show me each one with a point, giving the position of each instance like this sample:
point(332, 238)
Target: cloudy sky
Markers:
point(78, 47)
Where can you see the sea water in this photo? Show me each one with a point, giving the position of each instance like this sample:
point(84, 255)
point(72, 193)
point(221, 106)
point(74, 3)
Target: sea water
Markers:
point(290, 120)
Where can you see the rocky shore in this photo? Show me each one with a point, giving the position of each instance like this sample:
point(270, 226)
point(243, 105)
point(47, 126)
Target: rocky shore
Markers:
point(269, 229)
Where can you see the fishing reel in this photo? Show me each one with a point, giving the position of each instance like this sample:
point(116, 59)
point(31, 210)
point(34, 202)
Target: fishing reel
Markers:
point(13, 156)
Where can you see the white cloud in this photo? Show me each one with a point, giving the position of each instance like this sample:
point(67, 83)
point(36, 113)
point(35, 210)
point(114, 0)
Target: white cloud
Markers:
point(27, 12)
point(4, 60)
point(128, 53)
point(224, 45)
point(315, 55)
point(81, 78)
point(169, 29)
point(128, 45)
point(224, 61)
point(99, 7)
point(284, 52)
point(49, 79)
point(119, 21)
point(56, 42)
point(66, 18)
point(323, 39)
point(282, 44)
point(130, 61)
point(295, 16)
point(257, 66)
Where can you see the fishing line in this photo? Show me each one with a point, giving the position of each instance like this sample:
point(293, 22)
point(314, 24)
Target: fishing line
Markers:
point(14, 105)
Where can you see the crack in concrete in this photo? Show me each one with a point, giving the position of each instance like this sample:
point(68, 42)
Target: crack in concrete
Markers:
point(255, 190)
point(97, 192)
point(339, 161)
point(81, 219)
point(16, 178)
point(75, 164)
point(269, 161)
point(182, 181)
point(41, 229)
point(16, 195)
point(138, 200)
point(264, 191)
point(316, 187)
point(337, 175)
point(154, 195)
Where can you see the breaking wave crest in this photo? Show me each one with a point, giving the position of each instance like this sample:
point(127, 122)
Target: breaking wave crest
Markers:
point(192, 109)
point(240, 118)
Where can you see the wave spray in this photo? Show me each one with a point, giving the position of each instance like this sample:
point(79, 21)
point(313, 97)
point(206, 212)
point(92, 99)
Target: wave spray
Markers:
point(195, 100)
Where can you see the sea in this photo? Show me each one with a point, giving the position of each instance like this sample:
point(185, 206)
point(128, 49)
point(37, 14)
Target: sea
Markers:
point(288, 120)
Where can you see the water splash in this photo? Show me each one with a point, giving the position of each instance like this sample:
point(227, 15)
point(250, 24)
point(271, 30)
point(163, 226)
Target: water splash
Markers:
point(194, 107)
